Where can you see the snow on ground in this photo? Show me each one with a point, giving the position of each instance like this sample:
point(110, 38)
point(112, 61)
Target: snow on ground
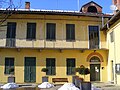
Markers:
point(68, 86)
point(45, 85)
point(9, 86)
point(94, 88)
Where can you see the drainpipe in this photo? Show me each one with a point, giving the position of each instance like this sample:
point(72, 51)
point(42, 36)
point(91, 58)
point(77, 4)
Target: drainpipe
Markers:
point(102, 21)
point(115, 57)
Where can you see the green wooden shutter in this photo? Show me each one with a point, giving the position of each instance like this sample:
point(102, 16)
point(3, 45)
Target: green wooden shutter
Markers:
point(33, 69)
point(70, 66)
point(70, 32)
point(50, 64)
point(9, 63)
point(31, 31)
point(11, 29)
point(51, 31)
point(27, 70)
point(53, 66)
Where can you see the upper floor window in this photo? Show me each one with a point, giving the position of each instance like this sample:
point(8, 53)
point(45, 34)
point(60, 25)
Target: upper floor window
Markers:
point(11, 29)
point(9, 66)
point(51, 31)
point(50, 65)
point(11, 34)
point(111, 37)
point(31, 31)
point(93, 37)
point(70, 66)
point(70, 32)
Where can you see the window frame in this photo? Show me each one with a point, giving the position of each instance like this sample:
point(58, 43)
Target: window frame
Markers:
point(94, 46)
point(11, 30)
point(31, 31)
point(117, 68)
point(51, 67)
point(72, 68)
point(7, 67)
point(50, 31)
point(111, 36)
point(70, 32)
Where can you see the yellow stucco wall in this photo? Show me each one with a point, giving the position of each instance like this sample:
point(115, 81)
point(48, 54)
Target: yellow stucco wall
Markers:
point(32, 48)
point(41, 62)
point(81, 31)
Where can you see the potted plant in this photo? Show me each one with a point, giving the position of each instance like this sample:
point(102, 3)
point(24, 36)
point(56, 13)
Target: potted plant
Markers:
point(11, 77)
point(11, 70)
point(44, 69)
point(44, 78)
point(85, 71)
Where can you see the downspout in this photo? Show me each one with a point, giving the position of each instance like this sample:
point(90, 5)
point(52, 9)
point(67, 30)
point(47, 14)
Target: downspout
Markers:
point(102, 21)
point(115, 57)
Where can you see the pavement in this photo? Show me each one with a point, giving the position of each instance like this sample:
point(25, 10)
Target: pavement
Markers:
point(106, 86)
point(98, 85)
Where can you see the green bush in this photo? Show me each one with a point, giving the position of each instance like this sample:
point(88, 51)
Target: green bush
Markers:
point(44, 70)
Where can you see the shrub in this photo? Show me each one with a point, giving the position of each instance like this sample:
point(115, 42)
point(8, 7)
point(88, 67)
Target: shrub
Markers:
point(44, 70)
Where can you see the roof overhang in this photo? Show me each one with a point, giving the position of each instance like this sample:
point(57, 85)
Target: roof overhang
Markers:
point(112, 21)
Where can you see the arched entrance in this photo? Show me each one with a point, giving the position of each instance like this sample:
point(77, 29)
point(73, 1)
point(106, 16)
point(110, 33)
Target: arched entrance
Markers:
point(95, 68)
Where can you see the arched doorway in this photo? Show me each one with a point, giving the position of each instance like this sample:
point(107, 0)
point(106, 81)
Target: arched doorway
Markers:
point(92, 9)
point(95, 68)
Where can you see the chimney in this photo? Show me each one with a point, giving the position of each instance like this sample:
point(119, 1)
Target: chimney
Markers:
point(27, 5)
point(116, 3)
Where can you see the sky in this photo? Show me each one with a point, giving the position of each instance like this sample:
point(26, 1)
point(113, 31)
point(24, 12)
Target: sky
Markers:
point(63, 4)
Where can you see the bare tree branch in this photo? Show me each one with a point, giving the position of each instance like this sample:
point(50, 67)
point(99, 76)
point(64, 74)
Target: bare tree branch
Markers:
point(8, 9)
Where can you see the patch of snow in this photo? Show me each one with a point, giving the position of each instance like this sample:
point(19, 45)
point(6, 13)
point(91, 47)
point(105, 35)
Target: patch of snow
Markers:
point(68, 86)
point(94, 88)
point(10, 86)
point(45, 85)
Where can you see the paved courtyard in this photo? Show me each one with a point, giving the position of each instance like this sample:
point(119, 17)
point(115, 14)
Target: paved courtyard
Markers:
point(100, 86)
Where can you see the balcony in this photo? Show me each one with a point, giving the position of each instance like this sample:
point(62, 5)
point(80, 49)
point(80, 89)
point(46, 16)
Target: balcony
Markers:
point(57, 44)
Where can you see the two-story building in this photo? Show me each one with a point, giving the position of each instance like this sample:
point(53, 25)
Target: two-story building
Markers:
point(56, 39)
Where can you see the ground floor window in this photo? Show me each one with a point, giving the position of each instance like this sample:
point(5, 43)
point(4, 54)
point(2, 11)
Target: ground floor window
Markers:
point(9, 65)
point(50, 65)
point(70, 66)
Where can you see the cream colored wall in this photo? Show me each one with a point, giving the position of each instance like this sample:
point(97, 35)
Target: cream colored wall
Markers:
point(81, 31)
point(41, 62)
point(114, 50)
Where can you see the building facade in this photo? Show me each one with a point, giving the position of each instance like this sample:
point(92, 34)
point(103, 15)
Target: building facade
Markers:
point(57, 40)
point(112, 32)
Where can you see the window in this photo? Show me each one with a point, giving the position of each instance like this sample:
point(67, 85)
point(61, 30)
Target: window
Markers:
point(11, 33)
point(92, 9)
point(111, 37)
point(9, 65)
point(118, 68)
point(50, 32)
point(93, 37)
point(11, 29)
point(50, 65)
point(70, 32)
point(70, 66)
point(31, 31)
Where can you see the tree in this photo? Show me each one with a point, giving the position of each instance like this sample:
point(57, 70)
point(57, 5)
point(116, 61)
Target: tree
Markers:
point(7, 8)
point(84, 71)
